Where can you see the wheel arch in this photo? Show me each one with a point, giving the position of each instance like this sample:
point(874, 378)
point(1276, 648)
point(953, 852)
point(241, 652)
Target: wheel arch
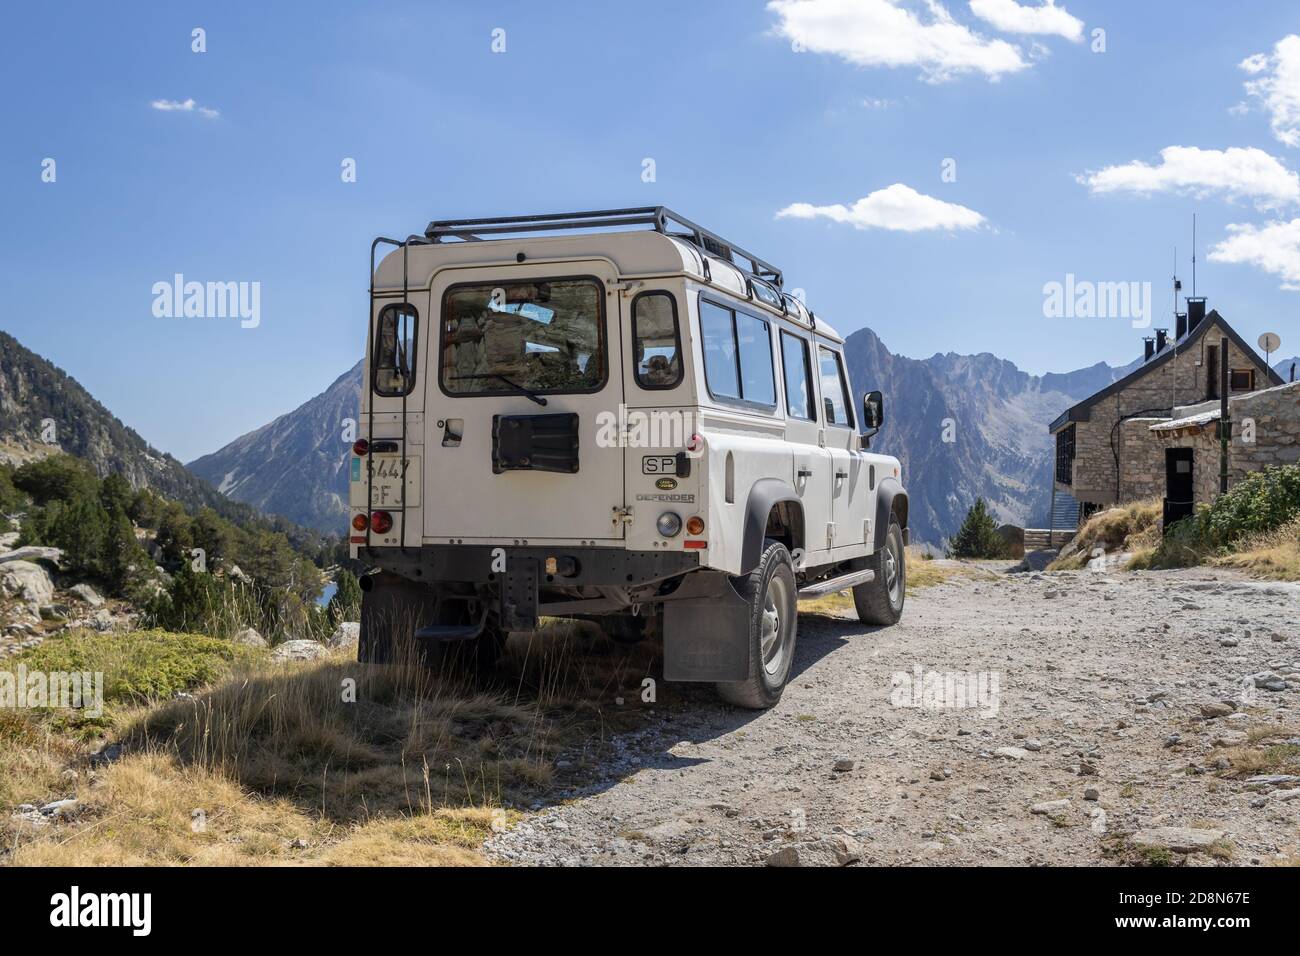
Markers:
point(890, 499)
point(770, 497)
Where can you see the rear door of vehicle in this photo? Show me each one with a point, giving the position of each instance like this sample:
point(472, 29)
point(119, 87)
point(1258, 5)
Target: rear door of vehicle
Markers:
point(500, 466)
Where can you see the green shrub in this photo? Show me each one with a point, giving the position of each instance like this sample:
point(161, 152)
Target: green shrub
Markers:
point(139, 666)
point(978, 536)
point(345, 604)
point(1260, 502)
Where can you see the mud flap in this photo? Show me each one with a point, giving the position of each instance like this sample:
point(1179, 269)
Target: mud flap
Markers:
point(392, 607)
point(706, 630)
point(519, 595)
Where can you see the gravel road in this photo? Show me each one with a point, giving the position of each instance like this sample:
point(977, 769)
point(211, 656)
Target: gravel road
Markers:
point(1105, 707)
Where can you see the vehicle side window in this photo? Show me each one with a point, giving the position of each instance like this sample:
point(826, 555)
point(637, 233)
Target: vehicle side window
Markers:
point(657, 356)
point(720, 367)
point(737, 355)
point(798, 376)
point(757, 383)
point(393, 357)
point(835, 390)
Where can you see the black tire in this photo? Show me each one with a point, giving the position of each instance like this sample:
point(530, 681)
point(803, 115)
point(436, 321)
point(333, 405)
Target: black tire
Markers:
point(880, 601)
point(773, 598)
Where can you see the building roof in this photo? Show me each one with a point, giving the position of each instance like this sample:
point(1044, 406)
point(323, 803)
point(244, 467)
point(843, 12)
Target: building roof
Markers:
point(1080, 412)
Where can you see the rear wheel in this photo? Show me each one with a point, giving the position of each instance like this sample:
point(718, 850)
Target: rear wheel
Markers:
point(773, 600)
point(880, 601)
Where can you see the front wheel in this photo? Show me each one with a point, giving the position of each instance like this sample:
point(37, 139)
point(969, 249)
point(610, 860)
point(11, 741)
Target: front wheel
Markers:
point(880, 600)
point(773, 599)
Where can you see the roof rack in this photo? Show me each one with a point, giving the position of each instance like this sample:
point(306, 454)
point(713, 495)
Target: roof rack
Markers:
point(660, 218)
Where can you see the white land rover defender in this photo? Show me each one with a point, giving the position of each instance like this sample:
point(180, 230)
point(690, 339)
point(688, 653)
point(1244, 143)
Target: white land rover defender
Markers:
point(635, 426)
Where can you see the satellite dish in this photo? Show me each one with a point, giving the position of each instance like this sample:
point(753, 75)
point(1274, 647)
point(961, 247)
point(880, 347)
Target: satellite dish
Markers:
point(1270, 342)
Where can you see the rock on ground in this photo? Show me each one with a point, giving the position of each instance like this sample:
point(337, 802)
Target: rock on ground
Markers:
point(347, 634)
point(299, 651)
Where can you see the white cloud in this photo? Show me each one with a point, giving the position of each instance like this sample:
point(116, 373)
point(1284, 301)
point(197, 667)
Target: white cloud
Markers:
point(1010, 17)
point(1235, 172)
point(1274, 248)
point(185, 106)
point(1277, 86)
point(885, 33)
point(898, 208)
point(877, 103)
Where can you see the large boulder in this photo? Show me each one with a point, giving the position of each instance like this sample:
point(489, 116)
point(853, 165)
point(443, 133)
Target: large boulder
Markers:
point(32, 552)
point(85, 592)
point(25, 580)
point(8, 540)
point(299, 651)
point(250, 638)
point(347, 634)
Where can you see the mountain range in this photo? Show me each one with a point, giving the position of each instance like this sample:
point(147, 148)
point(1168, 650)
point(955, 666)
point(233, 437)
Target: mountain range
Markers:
point(962, 425)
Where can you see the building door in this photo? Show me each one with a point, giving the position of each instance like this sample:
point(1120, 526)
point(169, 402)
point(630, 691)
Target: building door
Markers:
point(1178, 484)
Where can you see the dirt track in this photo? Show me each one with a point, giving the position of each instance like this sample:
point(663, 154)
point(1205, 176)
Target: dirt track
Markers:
point(1101, 680)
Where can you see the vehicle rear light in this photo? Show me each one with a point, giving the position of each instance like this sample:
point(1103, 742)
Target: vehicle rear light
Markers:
point(359, 522)
point(695, 525)
point(360, 447)
point(380, 522)
point(695, 544)
point(357, 539)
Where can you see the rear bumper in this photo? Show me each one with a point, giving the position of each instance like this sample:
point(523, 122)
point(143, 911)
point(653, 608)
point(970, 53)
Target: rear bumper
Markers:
point(483, 564)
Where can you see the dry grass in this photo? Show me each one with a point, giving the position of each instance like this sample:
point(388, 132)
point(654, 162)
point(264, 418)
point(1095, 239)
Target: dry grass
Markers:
point(1274, 555)
point(1130, 528)
point(329, 762)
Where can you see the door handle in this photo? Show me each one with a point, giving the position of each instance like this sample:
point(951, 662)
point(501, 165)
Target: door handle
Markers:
point(841, 474)
point(804, 473)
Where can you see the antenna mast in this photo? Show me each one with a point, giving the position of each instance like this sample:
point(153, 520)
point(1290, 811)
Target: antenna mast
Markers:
point(1193, 255)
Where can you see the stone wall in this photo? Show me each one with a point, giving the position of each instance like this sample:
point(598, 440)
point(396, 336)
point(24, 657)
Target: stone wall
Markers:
point(1275, 415)
point(1181, 380)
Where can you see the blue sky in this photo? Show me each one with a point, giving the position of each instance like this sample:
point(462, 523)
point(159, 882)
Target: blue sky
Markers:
point(243, 183)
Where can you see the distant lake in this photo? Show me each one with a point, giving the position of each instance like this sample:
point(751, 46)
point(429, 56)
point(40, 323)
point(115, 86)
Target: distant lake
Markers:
point(327, 594)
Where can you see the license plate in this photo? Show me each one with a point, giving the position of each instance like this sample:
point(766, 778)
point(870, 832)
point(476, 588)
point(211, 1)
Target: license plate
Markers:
point(386, 482)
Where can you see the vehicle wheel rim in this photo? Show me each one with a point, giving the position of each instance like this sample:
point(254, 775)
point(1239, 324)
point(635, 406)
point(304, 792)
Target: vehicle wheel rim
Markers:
point(892, 567)
point(776, 625)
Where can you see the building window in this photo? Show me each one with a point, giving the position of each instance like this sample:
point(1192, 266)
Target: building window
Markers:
point(1065, 455)
point(1242, 380)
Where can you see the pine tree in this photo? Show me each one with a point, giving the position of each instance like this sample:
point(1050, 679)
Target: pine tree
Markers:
point(978, 535)
point(345, 605)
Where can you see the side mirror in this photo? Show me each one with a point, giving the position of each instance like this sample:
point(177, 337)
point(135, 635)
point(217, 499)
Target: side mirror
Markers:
point(873, 410)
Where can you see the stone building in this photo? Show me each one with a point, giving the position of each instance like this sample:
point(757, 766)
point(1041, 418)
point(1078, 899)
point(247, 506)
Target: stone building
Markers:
point(1154, 432)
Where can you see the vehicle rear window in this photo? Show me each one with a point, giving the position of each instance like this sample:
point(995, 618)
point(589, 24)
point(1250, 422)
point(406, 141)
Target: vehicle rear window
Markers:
point(835, 390)
point(392, 360)
point(737, 355)
point(798, 376)
point(658, 355)
point(544, 335)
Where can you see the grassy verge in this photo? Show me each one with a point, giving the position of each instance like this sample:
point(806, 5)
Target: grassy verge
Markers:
point(1133, 528)
point(229, 758)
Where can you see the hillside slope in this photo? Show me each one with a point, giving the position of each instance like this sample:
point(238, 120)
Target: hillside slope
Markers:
point(295, 466)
